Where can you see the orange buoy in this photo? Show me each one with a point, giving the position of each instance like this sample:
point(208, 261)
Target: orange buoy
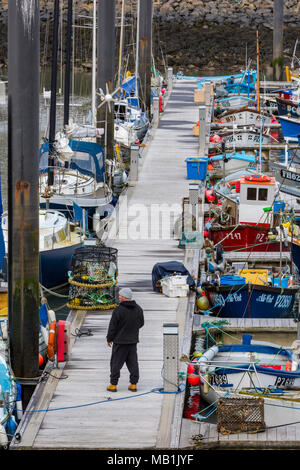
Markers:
point(41, 360)
point(288, 366)
point(52, 341)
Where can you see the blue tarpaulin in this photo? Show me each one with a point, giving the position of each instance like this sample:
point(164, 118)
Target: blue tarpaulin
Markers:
point(161, 270)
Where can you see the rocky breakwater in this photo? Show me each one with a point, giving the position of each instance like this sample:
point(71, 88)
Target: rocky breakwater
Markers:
point(199, 35)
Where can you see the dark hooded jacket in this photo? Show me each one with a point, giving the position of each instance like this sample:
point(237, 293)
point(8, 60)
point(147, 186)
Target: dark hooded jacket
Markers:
point(125, 322)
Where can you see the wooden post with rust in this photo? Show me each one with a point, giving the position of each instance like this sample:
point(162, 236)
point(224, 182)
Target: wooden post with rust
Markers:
point(145, 54)
point(278, 39)
point(106, 71)
point(23, 194)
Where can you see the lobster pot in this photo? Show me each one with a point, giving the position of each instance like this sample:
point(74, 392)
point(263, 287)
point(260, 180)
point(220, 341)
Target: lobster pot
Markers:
point(240, 415)
point(93, 278)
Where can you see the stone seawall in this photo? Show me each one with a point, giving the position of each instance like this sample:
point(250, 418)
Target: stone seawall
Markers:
point(190, 35)
point(245, 13)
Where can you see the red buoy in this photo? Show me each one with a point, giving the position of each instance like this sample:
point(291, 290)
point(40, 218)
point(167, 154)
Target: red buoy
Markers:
point(193, 377)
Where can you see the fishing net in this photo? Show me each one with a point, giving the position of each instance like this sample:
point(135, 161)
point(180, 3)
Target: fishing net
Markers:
point(93, 278)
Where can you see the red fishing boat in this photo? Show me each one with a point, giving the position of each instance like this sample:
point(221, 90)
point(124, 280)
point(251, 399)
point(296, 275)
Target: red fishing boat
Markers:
point(251, 222)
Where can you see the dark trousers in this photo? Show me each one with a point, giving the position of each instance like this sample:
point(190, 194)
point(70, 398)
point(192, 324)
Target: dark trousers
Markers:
point(121, 354)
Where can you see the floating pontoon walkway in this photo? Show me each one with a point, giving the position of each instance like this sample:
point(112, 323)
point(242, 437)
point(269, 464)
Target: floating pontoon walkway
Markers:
point(81, 413)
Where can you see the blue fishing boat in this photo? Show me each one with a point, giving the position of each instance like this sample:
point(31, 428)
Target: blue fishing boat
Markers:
point(246, 77)
point(234, 298)
point(290, 128)
point(295, 248)
point(237, 88)
point(288, 107)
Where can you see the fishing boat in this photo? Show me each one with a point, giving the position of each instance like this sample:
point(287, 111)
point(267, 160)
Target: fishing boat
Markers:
point(245, 76)
point(295, 249)
point(247, 117)
point(290, 128)
point(250, 366)
point(287, 107)
point(225, 164)
point(234, 102)
point(243, 138)
point(253, 293)
point(250, 221)
point(240, 88)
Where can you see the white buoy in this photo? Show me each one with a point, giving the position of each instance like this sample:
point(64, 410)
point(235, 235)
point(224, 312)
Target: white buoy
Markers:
point(3, 437)
point(45, 334)
point(51, 316)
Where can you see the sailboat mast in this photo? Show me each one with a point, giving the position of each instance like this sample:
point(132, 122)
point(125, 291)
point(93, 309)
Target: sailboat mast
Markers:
point(121, 44)
point(94, 66)
point(68, 63)
point(257, 68)
point(137, 49)
point(53, 96)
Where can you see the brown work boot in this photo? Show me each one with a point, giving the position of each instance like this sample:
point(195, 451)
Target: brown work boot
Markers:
point(132, 387)
point(111, 388)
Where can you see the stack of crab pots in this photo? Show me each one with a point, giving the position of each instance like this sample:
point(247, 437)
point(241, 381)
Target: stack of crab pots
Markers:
point(93, 278)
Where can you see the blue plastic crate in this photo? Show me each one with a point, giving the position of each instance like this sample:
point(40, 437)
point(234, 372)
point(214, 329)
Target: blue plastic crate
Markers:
point(196, 168)
point(232, 280)
point(284, 282)
point(278, 206)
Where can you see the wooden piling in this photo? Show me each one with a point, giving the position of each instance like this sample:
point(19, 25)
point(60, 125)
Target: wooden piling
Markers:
point(23, 197)
point(106, 71)
point(278, 39)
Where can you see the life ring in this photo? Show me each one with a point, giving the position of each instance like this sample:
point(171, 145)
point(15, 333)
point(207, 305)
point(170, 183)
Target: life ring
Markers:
point(258, 178)
point(233, 183)
point(52, 341)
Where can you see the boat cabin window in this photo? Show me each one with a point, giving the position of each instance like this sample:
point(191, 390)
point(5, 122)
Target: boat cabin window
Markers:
point(251, 194)
point(120, 112)
point(254, 194)
point(262, 194)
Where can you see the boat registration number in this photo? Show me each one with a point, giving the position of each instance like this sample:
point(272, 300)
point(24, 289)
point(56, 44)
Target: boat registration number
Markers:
point(290, 175)
point(218, 379)
point(284, 382)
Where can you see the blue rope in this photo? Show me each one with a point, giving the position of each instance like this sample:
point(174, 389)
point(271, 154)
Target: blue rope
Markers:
point(154, 390)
